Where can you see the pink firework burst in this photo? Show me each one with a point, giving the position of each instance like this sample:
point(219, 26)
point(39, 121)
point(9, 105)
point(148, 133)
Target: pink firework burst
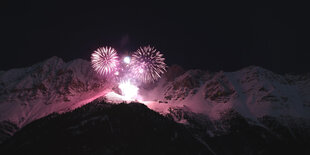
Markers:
point(104, 60)
point(148, 64)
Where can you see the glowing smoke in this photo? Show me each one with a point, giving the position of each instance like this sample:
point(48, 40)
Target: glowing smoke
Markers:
point(129, 91)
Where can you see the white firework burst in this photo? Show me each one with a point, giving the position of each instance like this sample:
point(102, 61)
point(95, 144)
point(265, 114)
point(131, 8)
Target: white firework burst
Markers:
point(148, 64)
point(104, 60)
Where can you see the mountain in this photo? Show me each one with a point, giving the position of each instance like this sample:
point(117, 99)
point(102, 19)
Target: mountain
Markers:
point(250, 111)
point(27, 94)
point(105, 128)
point(253, 92)
point(101, 128)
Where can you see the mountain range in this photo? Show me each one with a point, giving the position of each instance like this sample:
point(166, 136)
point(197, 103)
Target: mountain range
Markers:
point(68, 106)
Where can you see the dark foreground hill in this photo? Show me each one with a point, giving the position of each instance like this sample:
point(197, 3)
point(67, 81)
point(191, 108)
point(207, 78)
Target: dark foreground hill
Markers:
point(101, 128)
point(104, 128)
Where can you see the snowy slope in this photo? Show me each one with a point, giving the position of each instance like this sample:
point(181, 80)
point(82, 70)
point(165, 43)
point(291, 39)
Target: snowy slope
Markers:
point(253, 92)
point(250, 111)
point(27, 94)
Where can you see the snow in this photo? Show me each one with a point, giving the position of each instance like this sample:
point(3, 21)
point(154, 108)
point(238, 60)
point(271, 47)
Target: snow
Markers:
point(113, 97)
point(53, 85)
point(50, 86)
point(253, 92)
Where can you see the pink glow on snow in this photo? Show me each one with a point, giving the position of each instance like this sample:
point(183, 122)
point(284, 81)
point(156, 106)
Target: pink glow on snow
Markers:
point(159, 107)
point(116, 98)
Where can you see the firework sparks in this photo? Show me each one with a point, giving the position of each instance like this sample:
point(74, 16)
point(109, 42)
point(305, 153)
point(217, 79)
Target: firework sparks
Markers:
point(144, 65)
point(104, 60)
point(148, 64)
point(129, 91)
point(127, 59)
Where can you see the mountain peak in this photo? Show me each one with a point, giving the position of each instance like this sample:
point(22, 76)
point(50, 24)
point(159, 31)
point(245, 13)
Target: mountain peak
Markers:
point(173, 72)
point(46, 87)
point(254, 68)
point(53, 61)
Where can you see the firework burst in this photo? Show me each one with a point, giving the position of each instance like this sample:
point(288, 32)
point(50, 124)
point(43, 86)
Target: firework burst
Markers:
point(104, 60)
point(148, 64)
point(129, 90)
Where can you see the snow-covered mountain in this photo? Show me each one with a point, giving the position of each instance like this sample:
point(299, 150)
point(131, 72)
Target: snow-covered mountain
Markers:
point(27, 94)
point(210, 105)
point(253, 92)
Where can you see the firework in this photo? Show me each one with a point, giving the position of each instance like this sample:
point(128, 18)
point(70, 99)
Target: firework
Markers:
point(148, 64)
point(104, 60)
point(127, 60)
point(129, 91)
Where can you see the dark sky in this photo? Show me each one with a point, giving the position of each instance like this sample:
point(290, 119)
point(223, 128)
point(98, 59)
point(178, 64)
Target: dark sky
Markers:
point(211, 36)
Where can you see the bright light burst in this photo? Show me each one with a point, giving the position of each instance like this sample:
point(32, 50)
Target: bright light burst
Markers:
point(104, 60)
point(127, 59)
point(129, 91)
point(148, 64)
point(144, 65)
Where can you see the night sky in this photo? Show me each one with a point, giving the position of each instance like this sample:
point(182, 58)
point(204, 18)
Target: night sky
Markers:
point(209, 36)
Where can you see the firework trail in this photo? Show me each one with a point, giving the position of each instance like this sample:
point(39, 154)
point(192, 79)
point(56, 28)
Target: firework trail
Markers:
point(104, 60)
point(148, 64)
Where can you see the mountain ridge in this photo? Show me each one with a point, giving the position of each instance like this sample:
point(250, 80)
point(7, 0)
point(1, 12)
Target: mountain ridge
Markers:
point(268, 91)
point(55, 86)
point(49, 86)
